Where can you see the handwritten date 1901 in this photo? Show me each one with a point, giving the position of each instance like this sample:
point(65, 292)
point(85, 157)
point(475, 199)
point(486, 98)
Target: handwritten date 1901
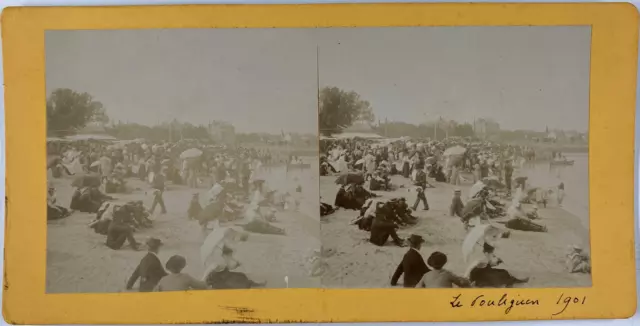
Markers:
point(565, 301)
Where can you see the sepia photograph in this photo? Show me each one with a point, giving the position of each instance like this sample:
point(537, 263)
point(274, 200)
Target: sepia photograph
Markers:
point(181, 159)
point(455, 157)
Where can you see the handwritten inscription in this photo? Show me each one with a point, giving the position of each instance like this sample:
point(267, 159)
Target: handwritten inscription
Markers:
point(508, 303)
point(482, 301)
point(566, 301)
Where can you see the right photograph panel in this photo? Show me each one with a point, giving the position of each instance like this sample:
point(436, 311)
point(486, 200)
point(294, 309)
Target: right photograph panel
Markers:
point(454, 156)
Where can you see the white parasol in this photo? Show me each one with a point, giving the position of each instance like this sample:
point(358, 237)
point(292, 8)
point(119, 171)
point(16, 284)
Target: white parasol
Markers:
point(486, 232)
point(455, 150)
point(191, 153)
point(476, 188)
point(216, 240)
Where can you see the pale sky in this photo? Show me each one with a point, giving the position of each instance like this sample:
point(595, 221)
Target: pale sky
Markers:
point(265, 79)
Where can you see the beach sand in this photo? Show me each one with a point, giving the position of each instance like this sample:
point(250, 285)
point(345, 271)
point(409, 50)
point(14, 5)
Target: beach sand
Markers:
point(360, 264)
point(78, 260)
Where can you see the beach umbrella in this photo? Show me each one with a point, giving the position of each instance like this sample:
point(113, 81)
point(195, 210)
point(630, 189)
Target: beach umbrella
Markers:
point(350, 178)
point(191, 153)
point(455, 150)
point(485, 232)
point(219, 237)
point(87, 180)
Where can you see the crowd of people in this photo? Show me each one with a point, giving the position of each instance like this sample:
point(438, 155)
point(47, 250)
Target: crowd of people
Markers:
point(495, 197)
point(238, 196)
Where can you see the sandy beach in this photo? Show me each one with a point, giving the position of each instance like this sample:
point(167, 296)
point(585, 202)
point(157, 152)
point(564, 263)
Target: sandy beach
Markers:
point(79, 261)
point(359, 264)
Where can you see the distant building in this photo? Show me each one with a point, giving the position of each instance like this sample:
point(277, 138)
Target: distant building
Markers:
point(485, 128)
point(222, 133)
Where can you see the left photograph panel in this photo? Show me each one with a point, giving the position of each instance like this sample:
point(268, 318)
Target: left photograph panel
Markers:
point(182, 160)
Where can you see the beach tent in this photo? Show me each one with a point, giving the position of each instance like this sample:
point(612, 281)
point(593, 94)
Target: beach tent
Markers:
point(93, 131)
point(360, 129)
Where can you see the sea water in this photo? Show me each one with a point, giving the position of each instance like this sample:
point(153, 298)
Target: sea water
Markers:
point(287, 180)
point(575, 178)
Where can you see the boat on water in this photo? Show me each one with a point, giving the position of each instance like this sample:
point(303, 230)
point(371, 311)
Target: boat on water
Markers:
point(561, 162)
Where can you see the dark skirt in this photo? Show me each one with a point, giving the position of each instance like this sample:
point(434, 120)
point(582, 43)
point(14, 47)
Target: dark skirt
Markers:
point(229, 280)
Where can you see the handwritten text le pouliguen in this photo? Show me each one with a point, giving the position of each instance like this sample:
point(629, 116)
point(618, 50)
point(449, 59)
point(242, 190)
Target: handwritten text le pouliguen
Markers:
point(482, 301)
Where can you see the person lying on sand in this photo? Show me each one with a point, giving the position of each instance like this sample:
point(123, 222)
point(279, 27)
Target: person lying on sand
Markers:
point(519, 220)
point(176, 280)
point(439, 277)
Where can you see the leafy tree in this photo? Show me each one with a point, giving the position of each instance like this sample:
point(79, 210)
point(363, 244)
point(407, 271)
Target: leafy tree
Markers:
point(340, 109)
point(68, 111)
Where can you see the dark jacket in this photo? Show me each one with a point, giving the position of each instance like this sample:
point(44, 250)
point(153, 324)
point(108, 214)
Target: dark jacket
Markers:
point(150, 271)
point(413, 267)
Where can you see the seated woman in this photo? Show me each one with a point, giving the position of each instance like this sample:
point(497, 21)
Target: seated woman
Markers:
point(176, 280)
point(326, 209)
point(55, 212)
point(482, 273)
point(88, 199)
point(222, 276)
point(115, 184)
point(438, 174)
point(377, 183)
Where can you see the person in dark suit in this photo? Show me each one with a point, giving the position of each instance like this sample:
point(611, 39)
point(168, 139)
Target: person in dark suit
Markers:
point(150, 270)
point(382, 227)
point(412, 265)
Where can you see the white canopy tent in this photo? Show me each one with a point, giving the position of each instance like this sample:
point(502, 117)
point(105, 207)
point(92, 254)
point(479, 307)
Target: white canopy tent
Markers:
point(359, 129)
point(93, 131)
point(358, 135)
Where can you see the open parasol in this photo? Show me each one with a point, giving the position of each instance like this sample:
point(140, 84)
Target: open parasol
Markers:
point(483, 232)
point(216, 240)
point(350, 178)
point(191, 153)
point(455, 150)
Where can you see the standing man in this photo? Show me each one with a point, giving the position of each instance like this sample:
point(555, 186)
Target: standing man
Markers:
point(508, 173)
point(412, 265)
point(150, 270)
point(158, 190)
point(421, 197)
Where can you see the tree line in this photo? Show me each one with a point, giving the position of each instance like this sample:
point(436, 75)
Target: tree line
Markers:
point(69, 111)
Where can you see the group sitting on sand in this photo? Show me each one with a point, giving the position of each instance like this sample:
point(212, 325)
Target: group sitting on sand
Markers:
point(491, 199)
point(153, 277)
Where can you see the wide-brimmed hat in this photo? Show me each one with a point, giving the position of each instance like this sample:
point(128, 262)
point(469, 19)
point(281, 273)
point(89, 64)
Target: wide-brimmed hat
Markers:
point(437, 260)
point(154, 243)
point(415, 239)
